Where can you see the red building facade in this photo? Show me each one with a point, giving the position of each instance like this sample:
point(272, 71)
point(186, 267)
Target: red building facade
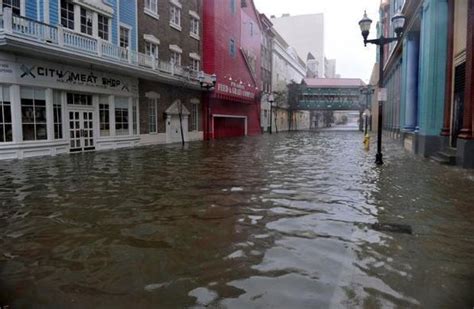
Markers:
point(232, 50)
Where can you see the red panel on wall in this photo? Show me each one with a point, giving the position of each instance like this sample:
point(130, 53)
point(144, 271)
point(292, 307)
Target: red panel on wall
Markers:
point(232, 50)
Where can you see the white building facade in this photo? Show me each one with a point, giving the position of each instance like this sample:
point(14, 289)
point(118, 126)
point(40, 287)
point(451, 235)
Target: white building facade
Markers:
point(305, 33)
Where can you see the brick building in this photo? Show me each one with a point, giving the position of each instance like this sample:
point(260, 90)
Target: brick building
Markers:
point(232, 50)
point(170, 32)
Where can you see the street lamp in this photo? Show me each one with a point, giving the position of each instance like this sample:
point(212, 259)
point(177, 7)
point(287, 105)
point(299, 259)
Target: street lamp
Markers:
point(271, 99)
point(367, 91)
point(398, 22)
point(206, 81)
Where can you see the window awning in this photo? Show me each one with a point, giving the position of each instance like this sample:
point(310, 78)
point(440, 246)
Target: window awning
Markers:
point(194, 14)
point(151, 38)
point(96, 5)
point(176, 3)
point(176, 49)
point(195, 56)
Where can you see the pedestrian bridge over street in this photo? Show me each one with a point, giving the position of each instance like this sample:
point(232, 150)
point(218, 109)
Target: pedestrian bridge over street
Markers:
point(341, 94)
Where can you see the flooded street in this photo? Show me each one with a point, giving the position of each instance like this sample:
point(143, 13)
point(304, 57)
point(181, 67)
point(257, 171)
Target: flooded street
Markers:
point(283, 221)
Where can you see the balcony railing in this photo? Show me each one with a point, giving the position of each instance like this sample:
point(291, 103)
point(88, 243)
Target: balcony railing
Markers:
point(75, 42)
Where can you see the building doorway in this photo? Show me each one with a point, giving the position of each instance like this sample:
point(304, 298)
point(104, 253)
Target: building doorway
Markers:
point(81, 130)
point(229, 126)
point(458, 103)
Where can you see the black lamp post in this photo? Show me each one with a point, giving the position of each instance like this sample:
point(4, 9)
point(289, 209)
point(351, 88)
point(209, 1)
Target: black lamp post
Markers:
point(367, 91)
point(271, 99)
point(208, 83)
point(398, 22)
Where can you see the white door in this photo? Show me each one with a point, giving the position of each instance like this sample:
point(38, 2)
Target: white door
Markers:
point(81, 131)
point(175, 129)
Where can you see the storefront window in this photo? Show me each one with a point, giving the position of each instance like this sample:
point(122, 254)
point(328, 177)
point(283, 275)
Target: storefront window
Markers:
point(152, 123)
point(6, 133)
point(58, 117)
point(135, 117)
point(194, 117)
point(33, 112)
point(104, 116)
point(121, 116)
point(79, 99)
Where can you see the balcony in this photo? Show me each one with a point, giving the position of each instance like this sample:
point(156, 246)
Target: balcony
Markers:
point(75, 45)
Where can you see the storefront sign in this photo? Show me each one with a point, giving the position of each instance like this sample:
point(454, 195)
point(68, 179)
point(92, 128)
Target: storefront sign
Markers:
point(235, 89)
point(43, 74)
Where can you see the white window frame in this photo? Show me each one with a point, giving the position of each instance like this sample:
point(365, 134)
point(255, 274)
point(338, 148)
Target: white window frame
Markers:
point(125, 26)
point(109, 21)
point(175, 15)
point(152, 102)
point(194, 32)
point(148, 48)
point(148, 10)
point(22, 7)
point(195, 64)
point(93, 24)
point(195, 115)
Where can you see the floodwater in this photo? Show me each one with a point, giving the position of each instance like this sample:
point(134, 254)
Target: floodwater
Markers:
point(281, 221)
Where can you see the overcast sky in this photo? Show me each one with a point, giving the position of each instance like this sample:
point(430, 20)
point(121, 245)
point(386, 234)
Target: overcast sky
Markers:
point(342, 34)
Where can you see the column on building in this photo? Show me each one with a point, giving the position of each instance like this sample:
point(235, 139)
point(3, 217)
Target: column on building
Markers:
point(433, 56)
point(449, 72)
point(411, 56)
point(468, 124)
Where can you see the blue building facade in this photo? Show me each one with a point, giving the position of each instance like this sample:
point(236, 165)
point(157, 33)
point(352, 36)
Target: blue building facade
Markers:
point(416, 76)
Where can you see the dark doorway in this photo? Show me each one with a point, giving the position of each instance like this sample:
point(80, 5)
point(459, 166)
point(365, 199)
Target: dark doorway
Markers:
point(458, 106)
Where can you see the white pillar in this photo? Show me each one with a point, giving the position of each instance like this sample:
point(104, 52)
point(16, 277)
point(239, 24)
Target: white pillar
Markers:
point(95, 24)
point(77, 18)
point(7, 20)
point(16, 113)
point(65, 115)
point(96, 122)
point(112, 115)
point(49, 114)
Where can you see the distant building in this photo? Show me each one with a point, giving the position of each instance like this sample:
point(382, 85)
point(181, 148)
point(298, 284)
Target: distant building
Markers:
point(330, 68)
point(305, 33)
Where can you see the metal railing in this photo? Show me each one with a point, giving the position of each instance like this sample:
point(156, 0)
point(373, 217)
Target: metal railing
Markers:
point(70, 40)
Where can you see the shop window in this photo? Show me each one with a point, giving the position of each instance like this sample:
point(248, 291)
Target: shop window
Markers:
point(194, 117)
point(103, 27)
point(175, 16)
point(121, 116)
point(67, 14)
point(79, 99)
point(6, 129)
point(152, 117)
point(15, 5)
point(57, 114)
point(135, 117)
point(33, 112)
point(86, 21)
point(104, 116)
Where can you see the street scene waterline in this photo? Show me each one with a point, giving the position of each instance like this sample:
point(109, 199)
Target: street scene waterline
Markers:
point(294, 220)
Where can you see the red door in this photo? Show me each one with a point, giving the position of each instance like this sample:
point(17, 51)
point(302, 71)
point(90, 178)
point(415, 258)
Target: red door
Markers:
point(228, 127)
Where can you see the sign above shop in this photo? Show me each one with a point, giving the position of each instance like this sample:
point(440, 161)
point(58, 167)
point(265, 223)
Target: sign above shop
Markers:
point(235, 89)
point(52, 75)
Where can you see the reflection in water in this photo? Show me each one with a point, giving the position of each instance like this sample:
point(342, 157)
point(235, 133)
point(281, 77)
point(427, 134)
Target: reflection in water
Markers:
point(278, 221)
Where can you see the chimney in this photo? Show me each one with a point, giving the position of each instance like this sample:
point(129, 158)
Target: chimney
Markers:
point(286, 15)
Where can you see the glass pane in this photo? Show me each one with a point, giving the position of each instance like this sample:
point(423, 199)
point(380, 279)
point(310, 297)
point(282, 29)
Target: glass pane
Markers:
point(8, 133)
point(121, 102)
point(41, 132)
point(26, 93)
point(40, 113)
point(40, 94)
point(27, 114)
point(28, 132)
